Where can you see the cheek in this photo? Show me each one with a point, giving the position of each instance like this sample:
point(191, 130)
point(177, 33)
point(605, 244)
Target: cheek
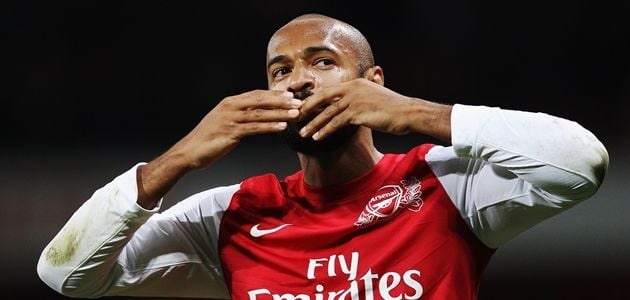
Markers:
point(277, 86)
point(334, 77)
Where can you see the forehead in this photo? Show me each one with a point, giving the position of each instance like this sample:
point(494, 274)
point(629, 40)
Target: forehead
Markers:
point(301, 34)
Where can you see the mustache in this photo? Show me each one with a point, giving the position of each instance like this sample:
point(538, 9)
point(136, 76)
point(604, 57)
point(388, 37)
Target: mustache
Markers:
point(302, 94)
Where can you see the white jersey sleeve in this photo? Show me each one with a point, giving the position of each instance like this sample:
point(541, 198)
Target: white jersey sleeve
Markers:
point(112, 246)
point(509, 170)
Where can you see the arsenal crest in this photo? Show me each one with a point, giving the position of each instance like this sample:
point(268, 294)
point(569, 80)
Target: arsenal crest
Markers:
point(392, 198)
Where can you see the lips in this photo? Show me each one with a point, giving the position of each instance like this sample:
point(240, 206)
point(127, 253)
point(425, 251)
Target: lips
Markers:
point(302, 95)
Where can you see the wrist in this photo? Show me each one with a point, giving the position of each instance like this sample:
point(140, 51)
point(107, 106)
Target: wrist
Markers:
point(157, 177)
point(178, 160)
point(429, 118)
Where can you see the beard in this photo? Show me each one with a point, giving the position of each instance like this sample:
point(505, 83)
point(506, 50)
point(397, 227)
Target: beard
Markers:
point(308, 145)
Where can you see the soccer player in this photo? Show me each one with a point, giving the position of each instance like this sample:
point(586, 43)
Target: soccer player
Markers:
point(353, 223)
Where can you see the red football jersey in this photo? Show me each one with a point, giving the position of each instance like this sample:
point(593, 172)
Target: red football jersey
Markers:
point(417, 225)
point(392, 233)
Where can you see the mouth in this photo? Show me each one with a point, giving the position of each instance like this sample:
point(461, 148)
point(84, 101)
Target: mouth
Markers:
point(302, 95)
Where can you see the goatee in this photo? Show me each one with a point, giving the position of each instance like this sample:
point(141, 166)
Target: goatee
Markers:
point(309, 146)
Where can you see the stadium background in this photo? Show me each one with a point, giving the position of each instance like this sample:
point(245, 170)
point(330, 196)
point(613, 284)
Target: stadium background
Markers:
point(91, 88)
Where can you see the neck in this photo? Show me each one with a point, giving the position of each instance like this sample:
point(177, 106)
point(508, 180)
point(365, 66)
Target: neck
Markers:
point(341, 165)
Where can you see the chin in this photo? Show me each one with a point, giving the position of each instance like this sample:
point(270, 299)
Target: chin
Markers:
point(308, 146)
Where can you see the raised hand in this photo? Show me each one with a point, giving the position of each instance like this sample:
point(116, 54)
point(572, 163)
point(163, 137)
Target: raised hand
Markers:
point(363, 102)
point(250, 113)
point(235, 117)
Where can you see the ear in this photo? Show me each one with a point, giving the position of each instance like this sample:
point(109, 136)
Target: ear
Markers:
point(375, 74)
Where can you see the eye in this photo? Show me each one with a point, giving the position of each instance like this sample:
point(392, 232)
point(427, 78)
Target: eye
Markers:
point(324, 62)
point(280, 72)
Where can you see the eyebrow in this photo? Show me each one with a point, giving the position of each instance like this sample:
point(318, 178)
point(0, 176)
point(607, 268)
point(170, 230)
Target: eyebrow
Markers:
point(310, 51)
point(276, 59)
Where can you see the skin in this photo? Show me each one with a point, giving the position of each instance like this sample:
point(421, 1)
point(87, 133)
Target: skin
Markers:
point(315, 52)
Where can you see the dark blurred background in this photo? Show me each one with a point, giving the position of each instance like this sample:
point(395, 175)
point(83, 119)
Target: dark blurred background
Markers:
point(90, 88)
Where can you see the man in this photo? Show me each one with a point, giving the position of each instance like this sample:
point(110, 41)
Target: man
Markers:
point(353, 223)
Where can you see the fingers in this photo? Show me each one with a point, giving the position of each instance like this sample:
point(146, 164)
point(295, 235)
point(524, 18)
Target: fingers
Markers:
point(324, 96)
point(254, 128)
point(261, 106)
point(328, 118)
point(264, 99)
point(333, 125)
point(267, 115)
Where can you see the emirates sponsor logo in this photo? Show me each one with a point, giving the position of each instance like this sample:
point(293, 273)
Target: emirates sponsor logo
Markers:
point(390, 199)
point(370, 285)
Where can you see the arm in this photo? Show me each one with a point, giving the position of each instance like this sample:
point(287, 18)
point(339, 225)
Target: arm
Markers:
point(509, 170)
point(112, 246)
point(115, 243)
point(234, 118)
point(368, 103)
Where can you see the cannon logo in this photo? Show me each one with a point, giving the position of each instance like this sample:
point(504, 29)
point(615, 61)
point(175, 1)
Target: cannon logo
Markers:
point(392, 198)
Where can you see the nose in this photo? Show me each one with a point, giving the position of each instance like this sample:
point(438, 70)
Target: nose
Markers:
point(301, 80)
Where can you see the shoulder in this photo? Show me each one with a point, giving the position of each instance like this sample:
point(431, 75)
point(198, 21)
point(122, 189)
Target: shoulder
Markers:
point(265, 183)
point(207, 202)
point(433, 154)
point(264, 191)
point(219, 194)
point(437, 154)
point(444, 161)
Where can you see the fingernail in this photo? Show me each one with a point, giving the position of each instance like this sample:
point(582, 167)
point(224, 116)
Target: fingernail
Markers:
point(316, 136)
point(303, 131)
point(296, 103)
point(287, 94)
point(294, 113)
point(282, 125)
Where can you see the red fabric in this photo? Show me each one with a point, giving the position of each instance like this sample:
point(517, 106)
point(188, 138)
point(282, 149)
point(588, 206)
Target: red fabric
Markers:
point(383, 235)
